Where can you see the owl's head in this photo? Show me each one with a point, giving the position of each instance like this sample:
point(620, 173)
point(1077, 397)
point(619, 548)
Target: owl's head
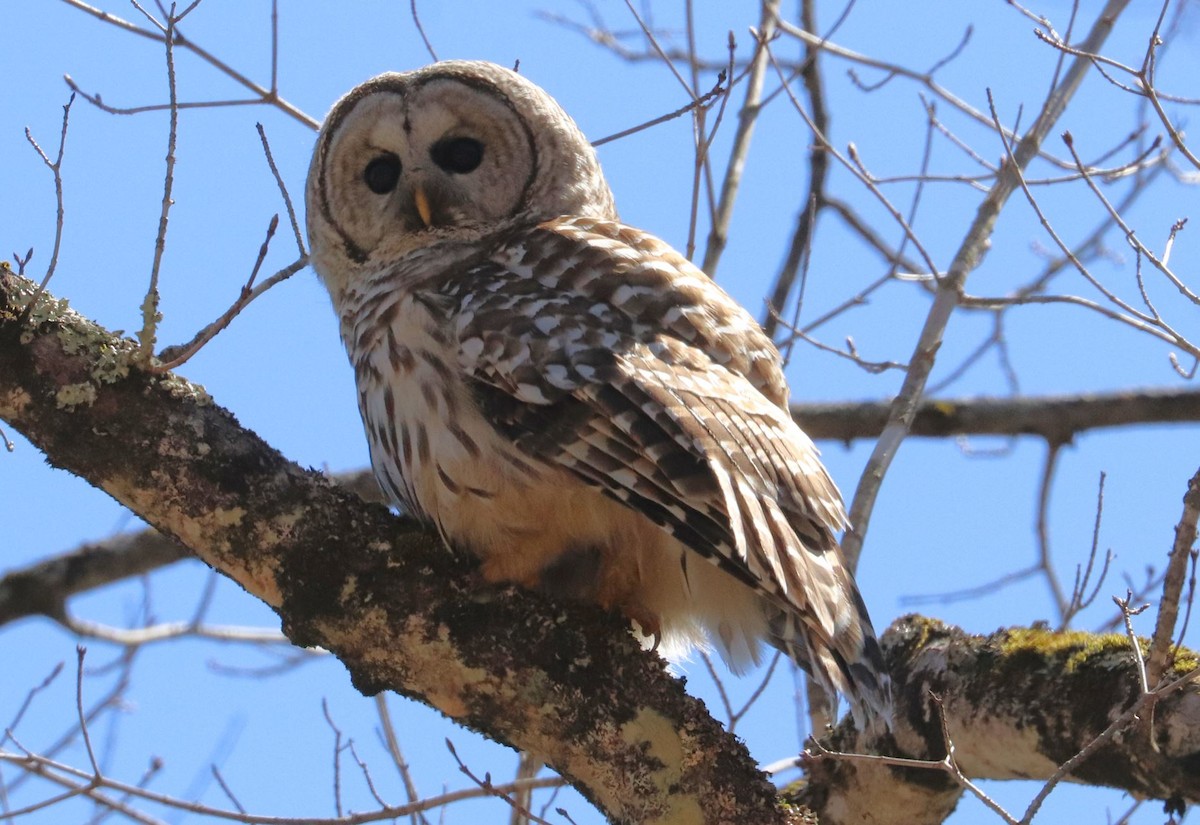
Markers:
point(454, 150)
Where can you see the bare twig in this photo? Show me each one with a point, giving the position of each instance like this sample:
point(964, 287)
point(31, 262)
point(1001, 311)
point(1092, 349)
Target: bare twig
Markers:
point(1143, 77)
point(147, 334)
point(80, 652)
point(528, 766)
point(366, 772)
point(818, 174)
point(29, 697)
point(168, 631)
point(287, 198)
point(1045, 563)
point(216, 772)
point(392, 742)
point(80, 782)
point(1083, 576)
point(505, 793)
point(262, 95)
point(416, 18)
point(747, 117)
point(970, 593)
point(947, 764)
point(704, 100)
point(172, 357)
point(1130, 235)
point(338, 747)
point(55, 167)
point(1127, 614)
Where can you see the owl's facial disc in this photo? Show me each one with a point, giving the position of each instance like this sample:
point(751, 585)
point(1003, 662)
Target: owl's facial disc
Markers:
point(410, 158)
point(452, 152)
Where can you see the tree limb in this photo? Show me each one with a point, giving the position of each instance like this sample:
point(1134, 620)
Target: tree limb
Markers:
point(1017, 704)
point(42, 589)
point(1056, 418)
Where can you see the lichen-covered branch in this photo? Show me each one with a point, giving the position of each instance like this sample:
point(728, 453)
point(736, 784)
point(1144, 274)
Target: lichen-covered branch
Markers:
point(1016, 704)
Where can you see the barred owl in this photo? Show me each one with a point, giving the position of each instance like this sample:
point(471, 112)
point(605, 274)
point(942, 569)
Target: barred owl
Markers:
point(568, 397)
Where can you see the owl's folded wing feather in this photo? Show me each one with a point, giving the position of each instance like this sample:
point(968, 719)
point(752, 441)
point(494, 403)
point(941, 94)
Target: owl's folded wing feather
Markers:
point(655, 412)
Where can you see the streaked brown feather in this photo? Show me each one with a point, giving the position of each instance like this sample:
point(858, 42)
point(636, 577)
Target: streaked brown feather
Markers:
point(608, 354)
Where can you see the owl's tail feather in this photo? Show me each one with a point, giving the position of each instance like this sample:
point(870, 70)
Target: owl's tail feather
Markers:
point(848, 662)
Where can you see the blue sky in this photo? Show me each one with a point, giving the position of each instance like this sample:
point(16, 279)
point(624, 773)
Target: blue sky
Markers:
point(948, 517)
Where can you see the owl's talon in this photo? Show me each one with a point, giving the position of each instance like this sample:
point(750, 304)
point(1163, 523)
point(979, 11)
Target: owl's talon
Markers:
point(648, 626)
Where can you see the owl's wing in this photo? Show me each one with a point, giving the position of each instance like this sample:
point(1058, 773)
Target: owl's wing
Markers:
point(596, 347)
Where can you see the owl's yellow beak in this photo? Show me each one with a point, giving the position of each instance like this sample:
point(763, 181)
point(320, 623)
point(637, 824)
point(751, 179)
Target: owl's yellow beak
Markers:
point(422, 203)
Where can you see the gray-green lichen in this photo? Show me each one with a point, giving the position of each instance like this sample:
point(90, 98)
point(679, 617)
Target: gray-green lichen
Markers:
point(74, 395)
point(111, 357)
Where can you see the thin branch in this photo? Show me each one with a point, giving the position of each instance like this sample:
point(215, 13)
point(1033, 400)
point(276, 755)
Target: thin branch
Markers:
point(168, 631)
point(1159, 658)
point(818, 174)
point(697, 102)
point(951, 286)
point(1045, 563)
point(972, 593)
point(718, 233)
point(392, 742)
point(485, 785)
point(80, 651)
point(216, 773)
point(80, 783)
point(337, 756)
point(283, 190)
point(1080, 601)
point(1130, 235)
point(263, 96)
point(416, 18)
point(28, 701)
point(172, 357)
point(55, 167)
point(147, 335)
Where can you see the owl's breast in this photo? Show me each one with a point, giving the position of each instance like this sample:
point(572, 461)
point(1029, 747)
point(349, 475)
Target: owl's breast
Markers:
point(432, 450)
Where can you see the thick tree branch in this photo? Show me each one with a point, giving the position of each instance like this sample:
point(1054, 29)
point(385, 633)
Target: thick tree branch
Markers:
point(401, 613)
point(1057, 419)
point(44, 588)
point(1017, 704)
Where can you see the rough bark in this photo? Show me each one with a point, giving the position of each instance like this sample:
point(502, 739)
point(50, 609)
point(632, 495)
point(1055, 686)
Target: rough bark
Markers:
point(1017, 704)
point(565, 682)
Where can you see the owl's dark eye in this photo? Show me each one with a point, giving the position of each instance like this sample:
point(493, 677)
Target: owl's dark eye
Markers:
point(458, 155)
point(382, 173)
